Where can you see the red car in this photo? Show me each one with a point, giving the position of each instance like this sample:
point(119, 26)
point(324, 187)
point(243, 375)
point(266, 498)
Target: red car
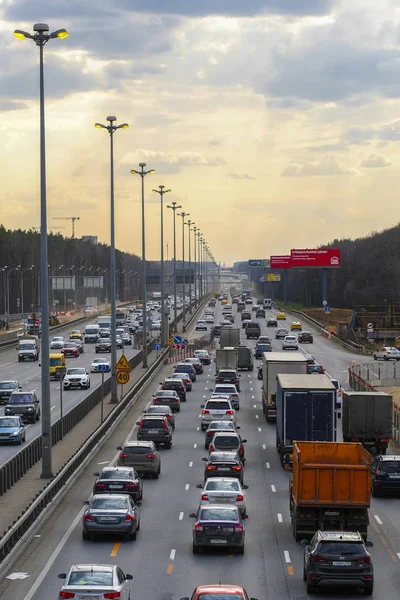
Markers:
point(70, 349)
point(214, 592)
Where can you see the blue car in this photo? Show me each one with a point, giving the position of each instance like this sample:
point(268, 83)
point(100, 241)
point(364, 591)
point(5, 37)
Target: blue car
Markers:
point(261, 348)
point(12, 430)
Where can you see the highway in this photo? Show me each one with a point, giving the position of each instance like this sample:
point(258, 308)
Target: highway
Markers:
point(161, 559)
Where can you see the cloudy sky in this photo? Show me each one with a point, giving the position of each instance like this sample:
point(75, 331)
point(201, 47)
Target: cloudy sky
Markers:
point(276, 123)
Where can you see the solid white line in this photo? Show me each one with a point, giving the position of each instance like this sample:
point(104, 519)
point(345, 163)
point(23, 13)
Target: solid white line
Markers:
point(280, 519)
point(53, 556)
point(287, 556)
point(194, 445)
point(180, 516)
point(191, 464)
point(187, 487)
point(264, 447)
point(172, 554)
point(378, 520)
point(268, 465)
point(273, 488)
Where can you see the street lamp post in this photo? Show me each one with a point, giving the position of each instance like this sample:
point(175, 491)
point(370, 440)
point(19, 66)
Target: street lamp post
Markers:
point(112, 128)
point(183, 215)
point(162, 191)
point(174, 207)
point(142, 173)
point(8, 273)
point(201, 263)
point(22, 285)
point(189, 223)
point(195, 265)
point(40, 37)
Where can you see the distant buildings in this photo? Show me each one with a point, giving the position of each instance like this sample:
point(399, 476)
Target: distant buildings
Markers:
point(89, 238)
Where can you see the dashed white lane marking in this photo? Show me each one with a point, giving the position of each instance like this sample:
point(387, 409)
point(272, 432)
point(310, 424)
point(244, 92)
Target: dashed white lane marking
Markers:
point(181, 516)
point(197, 428)
point(194, 445)
point(256, 416)
point(204, 396)
point(251, 389)
point(252, 397)
point(287, 556)
point(378, 520)
point(249, 375)
point(273, 488)
point(268, 465)
point(26, 382)
point(280, 518)
point(255, 405)
point(191, 464)
point(398, 554)
point(53, 407)
point(58, 387)
point(187, 486)
point(264, 447)
point(199, 416)
point(259, 429)
point(172, 554)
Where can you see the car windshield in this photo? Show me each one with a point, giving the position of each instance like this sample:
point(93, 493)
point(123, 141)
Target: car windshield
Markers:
point(7, 385)
point(55, 362)
point(9, 423)
point(76, 372)
point(109, 503)
point(101, 578)
point(390, 466)
point(222, 486)
point(116, 474)
point(21, 399)
point(225, 389)
point(226, 441)
point(215, 405)
point(218, 514)
point(341, 548)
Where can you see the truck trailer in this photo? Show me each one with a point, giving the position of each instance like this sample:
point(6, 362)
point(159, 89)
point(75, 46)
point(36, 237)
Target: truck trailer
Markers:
point(229, 338)
point(330, 488)
point(367, 417)
point(305, 411)
point(275, 363)
point(226, 358)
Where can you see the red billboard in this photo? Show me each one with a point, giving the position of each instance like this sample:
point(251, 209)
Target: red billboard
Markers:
point(281, 262)
point(319, 257)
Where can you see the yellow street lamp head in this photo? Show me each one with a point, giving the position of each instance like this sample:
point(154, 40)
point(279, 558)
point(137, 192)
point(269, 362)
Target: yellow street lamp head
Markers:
point(61, 34)
point(99, 126)
point(133, 172)
point(21, 35)
point(151, 171)
point(124, 126)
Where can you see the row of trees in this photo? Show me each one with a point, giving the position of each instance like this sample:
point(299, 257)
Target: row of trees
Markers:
point(369, 274)
point(66, 257)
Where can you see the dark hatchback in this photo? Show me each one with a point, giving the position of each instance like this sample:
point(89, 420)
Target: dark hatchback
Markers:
point(338, 558)
point(215, 426)
point(167, 398)
point(218, 526)
point(272, 323)
point(245, 315)
point(103, 345)
point(119, 480)
point(223, 464)
point(155, 429)
point(385, 474)
point(186, 368)
point(142, 456)
point(228, 376)
point(6, 389)
point(305, 337)
point(174, 385)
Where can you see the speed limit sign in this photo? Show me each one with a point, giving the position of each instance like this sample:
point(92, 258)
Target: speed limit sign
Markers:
point(122, 377)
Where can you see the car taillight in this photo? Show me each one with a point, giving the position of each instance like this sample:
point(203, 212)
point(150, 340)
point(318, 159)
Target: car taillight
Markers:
point(238, 528)
point(204, 496)
point(205, 412)
point(123, 455)
point(355, 439)
point(211, 467)
point(164, 387)
point(169, 416)
point(321, 560)
point(100, 486)
point(235, 395)
point(181, 387)
point(67, 595)
point(155, 400)
point(129, 518)
point(236, 468)
point(131, 486)
point(239, 498)
point(218, 380)
point(88, 517)
point(211, 447)
point(363, 562)
point(198, 527)
point(229, 412)
point(112, 595)
point(385, 440)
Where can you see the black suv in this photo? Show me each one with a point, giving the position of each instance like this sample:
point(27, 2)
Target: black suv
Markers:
point(260, 314)
point(24, 405)
point(6, 389)
point(155, 429)
point(177, 386)
point(338, 557)
point(223, 464)
point(216, 331)
point(305, 337)
point(228, 376)
point(385, 474)
point(119, 480)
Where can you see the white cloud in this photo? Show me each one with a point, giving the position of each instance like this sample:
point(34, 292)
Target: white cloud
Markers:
point(241, 176)
point(375, 161)
point(156, 158)
point(328, 166)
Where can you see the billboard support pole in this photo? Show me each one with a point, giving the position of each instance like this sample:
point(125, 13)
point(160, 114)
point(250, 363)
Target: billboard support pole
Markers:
point(285, 278)
point(325, 285)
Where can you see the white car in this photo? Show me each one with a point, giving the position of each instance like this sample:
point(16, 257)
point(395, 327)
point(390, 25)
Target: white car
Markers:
point(76, 377)
point(204, 356)
point(290, 343)
point(209, 319)
point(229, 389)
point(105, 366)
point(155, 326)
point(217, 409)
point(57, 343)
point(224, 490)
point(387, 353)
point(201, 325)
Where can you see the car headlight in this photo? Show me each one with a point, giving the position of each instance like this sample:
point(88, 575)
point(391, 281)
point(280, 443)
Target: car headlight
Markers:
point(66, 380)
point(15, 432)
point(30, 408)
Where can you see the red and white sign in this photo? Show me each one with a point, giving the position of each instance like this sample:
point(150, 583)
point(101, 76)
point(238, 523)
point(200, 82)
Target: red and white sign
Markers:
point(319, 257)
point(283, 261)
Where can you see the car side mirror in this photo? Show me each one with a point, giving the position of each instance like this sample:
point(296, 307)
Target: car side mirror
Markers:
point(137, 422)
point(119, 447)
point(202, 405)
point(244, 441)
point(128, 576)
point(204, 459)
point(305, 543)
point(245, 516)
point(369, 544)
point(245, 487)
point(96, 474)
point(237, 426)
point(192, 515)
point(62, 576)
point(199, 486)
point(40, 364)
point(86, 502)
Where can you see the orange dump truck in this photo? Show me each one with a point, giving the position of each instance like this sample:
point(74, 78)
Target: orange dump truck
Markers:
point(330, 488)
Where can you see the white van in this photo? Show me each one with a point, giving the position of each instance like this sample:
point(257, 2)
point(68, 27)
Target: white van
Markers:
point(92, 333)
point(267, 303)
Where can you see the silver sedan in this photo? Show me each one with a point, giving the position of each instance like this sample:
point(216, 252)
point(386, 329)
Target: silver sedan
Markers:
point(224, 490)
point(111, 514)
point(109, 581)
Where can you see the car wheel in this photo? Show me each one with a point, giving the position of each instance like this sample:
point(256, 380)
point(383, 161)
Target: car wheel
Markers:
point(304, 573)
point(156, 475)
point(311, 589)
point(368, 590)
point(132, 536)
point(85, 536)
point(240, 550)
point(195, 549)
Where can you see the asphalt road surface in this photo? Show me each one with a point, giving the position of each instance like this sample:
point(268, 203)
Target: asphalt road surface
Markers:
point(161, 559)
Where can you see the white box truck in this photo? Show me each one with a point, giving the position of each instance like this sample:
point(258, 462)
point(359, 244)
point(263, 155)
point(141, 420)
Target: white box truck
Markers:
point(226, 358)
point(274, 364)
point(229, 338)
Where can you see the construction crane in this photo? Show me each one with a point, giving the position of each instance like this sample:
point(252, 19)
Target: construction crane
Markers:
point(73, 219)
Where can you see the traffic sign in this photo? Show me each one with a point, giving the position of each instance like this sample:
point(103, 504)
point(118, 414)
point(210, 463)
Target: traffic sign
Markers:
point(327, 309)
point(123, 364)
point(177, 339)
point(169, 341)
point(157, 347)
point(324, 303)
point(370, 326)
point(174, 346)
point(185, 341)
point(122, 377)
point(103, 367)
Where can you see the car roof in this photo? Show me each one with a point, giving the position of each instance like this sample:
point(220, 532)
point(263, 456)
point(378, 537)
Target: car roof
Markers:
point(347, 536)
point(389, 457)
point(229, 433)
point(93, 567)
point(220, 479)
point(106, 469)
point(160, 406)
point(8, 381)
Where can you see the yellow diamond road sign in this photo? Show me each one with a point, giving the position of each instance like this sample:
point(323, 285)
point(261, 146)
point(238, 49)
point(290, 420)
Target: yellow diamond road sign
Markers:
point(123, 364)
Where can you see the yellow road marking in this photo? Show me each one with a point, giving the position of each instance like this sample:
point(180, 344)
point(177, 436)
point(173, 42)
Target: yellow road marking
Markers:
point(290, 570)
point(169, 569)
point(384, 542)
point(115, 549)
point(393, 556)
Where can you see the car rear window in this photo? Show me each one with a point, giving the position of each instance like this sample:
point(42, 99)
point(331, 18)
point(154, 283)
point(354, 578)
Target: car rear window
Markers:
point(218, 514)
point(225, 389)
point(227, 374)
point(226, 441)
point(152, 423)
point(390, 466)
point(137, 449)
point(116, 474)
point(110, 503)
point(85, 578)
point(174, 385)
point(341, 548)
point(21, 399)
point(217, 405)
point(253, 325)
point(225, 486)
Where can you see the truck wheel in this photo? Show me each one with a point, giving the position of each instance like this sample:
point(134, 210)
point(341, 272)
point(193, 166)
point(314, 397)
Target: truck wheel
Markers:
point(375, 492)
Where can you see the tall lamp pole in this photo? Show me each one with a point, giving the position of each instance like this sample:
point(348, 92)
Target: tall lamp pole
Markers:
point(189, 223)
point(174, 206)
point(142, 173)
point(40, 37)
point(22, 285)
point(183, 215)
point(12, 270)
point(162, 191)
point(112, 128)
point(195, 265)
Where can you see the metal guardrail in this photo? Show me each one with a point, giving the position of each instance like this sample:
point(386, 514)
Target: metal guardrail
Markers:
point(36, 508)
